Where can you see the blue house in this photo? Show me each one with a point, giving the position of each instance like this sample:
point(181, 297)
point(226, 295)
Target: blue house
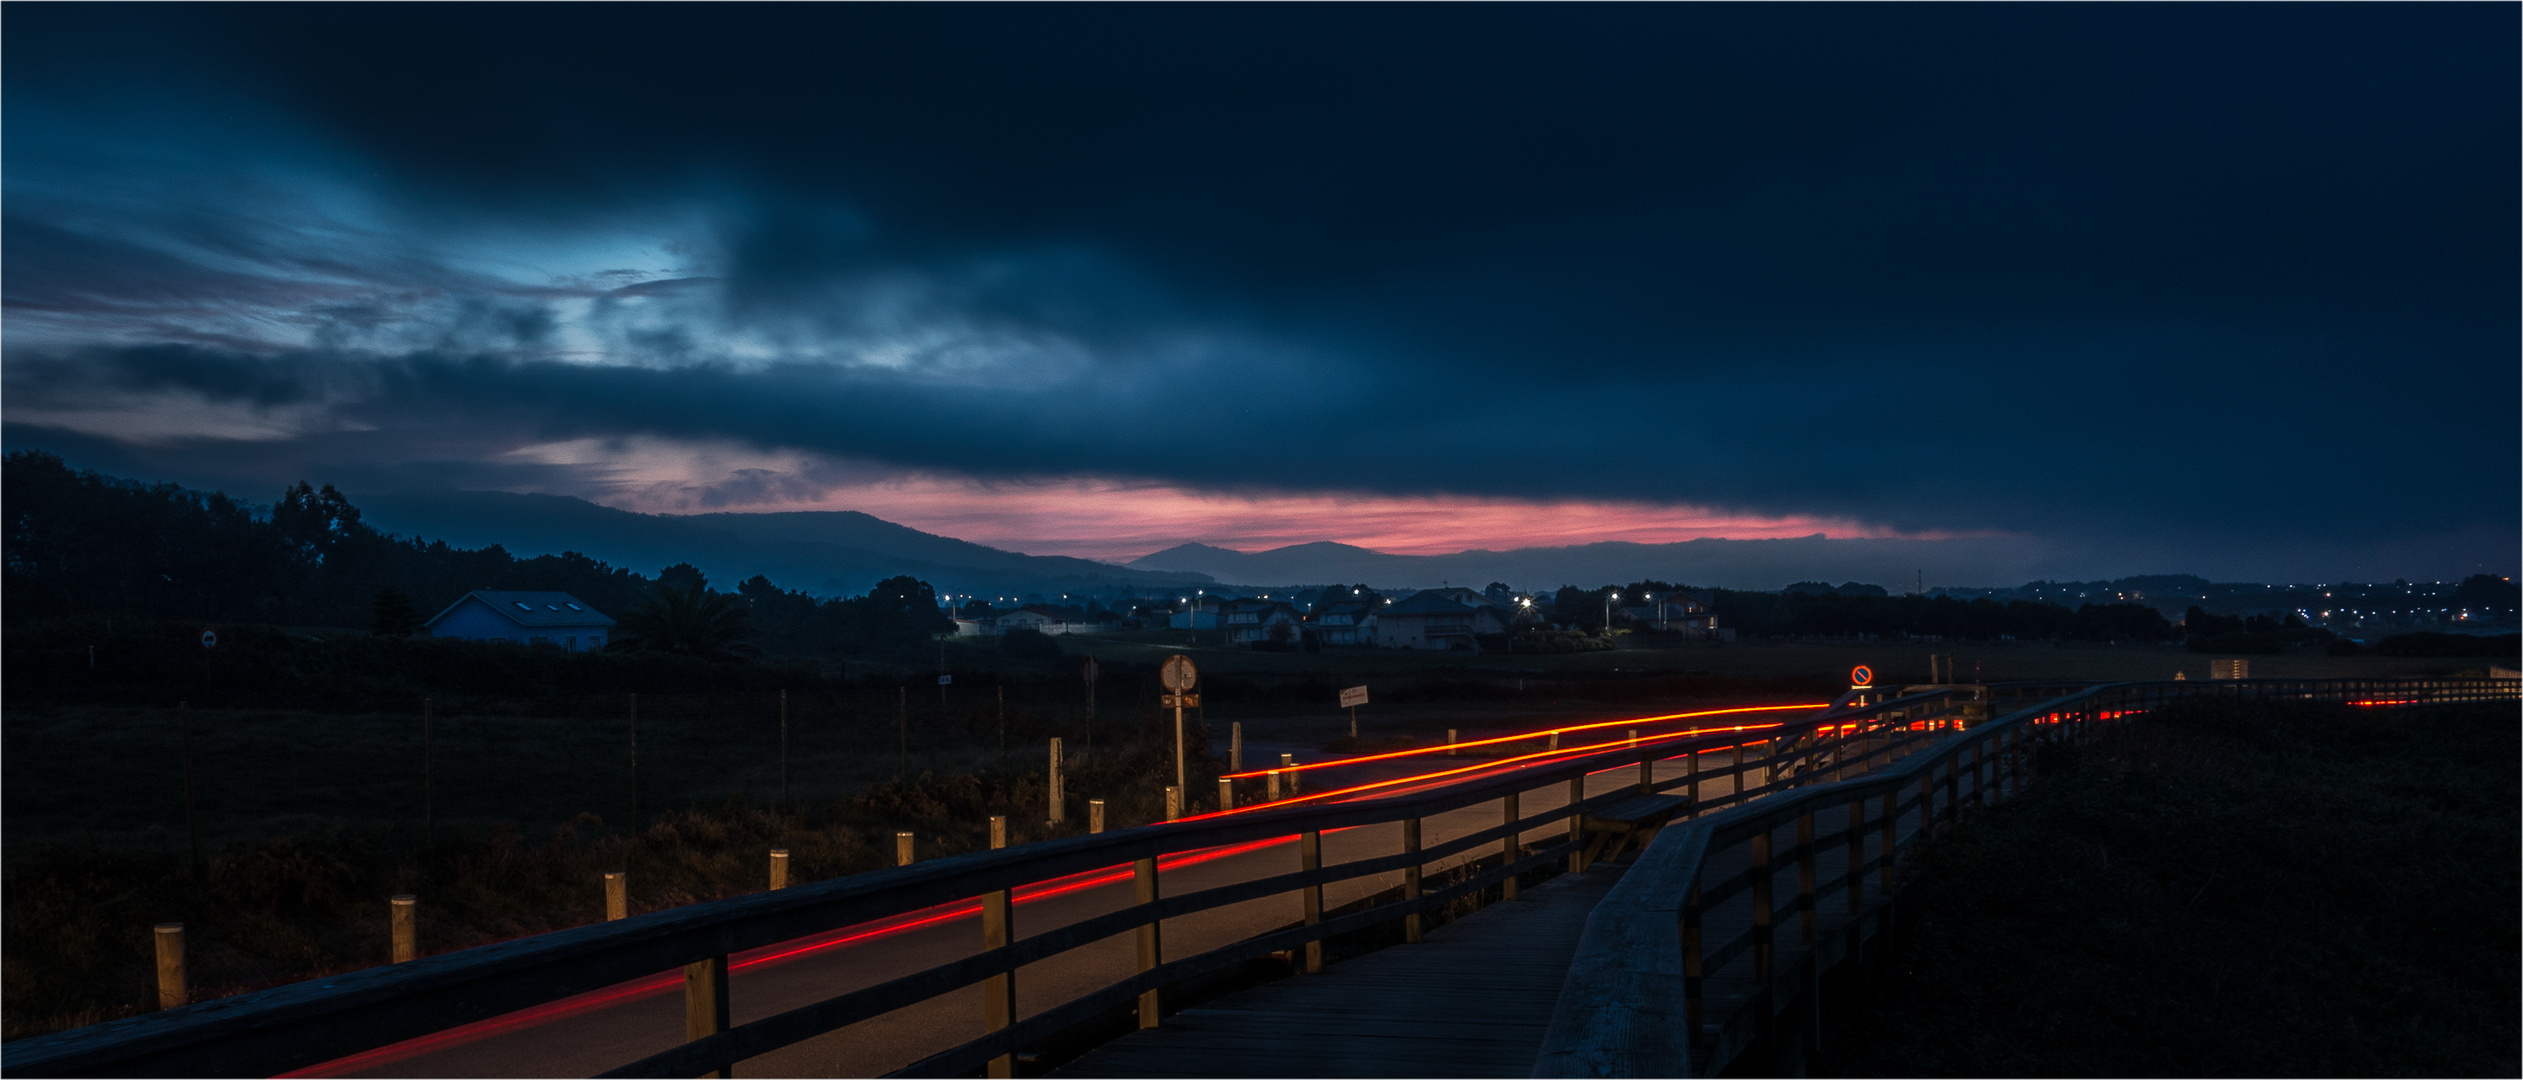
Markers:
point(524, 617)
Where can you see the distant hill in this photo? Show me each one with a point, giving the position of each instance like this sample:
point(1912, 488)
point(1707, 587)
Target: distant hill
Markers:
point(1734, 564)
point(828, 553)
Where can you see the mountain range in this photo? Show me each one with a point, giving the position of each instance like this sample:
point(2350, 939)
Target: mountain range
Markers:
point(841, 552)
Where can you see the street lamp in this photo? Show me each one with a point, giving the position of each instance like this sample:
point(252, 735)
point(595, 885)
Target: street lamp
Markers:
point(1607, 613)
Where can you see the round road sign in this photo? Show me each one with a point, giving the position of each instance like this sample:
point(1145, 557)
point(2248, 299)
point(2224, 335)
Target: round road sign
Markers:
point(1861, 675)
point(209, 639)
point(1179, 675)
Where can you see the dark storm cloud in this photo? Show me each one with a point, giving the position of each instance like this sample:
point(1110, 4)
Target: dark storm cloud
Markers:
point(2177, 275)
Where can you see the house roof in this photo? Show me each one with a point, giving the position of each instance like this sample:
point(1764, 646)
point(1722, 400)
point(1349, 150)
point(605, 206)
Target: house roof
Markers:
point(1430, 602)
point(533, 609)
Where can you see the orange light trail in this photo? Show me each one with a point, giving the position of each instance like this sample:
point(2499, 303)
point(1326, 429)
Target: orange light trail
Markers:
point(1540, 733)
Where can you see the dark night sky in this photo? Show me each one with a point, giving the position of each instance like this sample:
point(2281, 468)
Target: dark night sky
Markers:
point(2220, 289)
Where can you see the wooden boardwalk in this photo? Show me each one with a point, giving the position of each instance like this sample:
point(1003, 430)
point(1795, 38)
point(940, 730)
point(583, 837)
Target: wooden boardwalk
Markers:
point(1473, 999)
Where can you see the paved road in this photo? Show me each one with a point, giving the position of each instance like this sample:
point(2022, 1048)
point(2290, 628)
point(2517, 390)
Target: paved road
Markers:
point(605, 1029)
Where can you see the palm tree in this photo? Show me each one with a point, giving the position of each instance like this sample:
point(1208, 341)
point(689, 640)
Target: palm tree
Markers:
point(692, 621)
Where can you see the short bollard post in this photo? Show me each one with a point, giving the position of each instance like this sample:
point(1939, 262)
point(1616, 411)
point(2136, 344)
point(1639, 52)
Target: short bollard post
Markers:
point(1310, 857)
point(1151, 951)
point(1059, 796)
point(1452, 737)
point(902, 849)
point(1691, 775)
point(617, 895)
point(705, 1003)
point(998, 992)
point(1410, 880)
point(172, 989)
point(406, 924)
point(779, 868)
point(1289, 762)
point(1173, 802)
point(1272, 794)
point(1226, 794)
point(1094, 815)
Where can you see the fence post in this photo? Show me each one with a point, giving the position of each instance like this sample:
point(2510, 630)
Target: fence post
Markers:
point(1577, 824)
point(1094, 815)
point(1763, 908)
point(1805, 913)
point(617, 898)
point(1272, 795)
point(173, 990)
point(1646, 766)
point(1513, 848)
point(1856, 859)
point(405, 909)
point(1927, 802)
point(1451, 737)
point(1235, 747)
point(998, 929)
point(1289, 762)
point(779, 868)
point(1226, 794)
point(1410, 880)
point(1310, 857)
point(705, 1003)
point(1059, 794)
point(1143, 886)
point(1173, 802)
point(1693, 961)
point(902, 849)
point(1691, 774)
point(1891, 827)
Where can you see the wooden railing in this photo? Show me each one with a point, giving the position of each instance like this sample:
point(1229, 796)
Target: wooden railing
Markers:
point(308, 1023)
point(1635, 1002)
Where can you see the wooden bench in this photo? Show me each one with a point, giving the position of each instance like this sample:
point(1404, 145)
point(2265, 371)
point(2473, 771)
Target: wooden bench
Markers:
point(1627, 823)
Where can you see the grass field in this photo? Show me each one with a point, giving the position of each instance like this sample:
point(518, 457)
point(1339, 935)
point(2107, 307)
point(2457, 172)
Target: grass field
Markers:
point(2236, 889)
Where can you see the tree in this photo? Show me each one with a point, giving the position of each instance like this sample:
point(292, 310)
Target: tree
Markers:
point(689, 621)
point(392, 614)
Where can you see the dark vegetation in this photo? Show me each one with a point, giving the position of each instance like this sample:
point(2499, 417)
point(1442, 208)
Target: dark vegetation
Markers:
point(277, 911)
point(82, 546)
point(2231, 889)
point(2430, 643)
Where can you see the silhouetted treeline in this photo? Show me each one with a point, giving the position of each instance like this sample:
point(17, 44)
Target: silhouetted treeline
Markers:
point(2431, 643)
point(83, 546)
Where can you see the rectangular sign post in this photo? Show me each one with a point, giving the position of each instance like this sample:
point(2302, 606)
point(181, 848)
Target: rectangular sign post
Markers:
point(1350, 699)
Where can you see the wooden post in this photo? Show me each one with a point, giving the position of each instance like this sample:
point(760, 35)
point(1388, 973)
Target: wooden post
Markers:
point(902, 849)
point(173, 991)
point(1646, 766)
point(1451, 738)
point(1577, 824)
point(405, 909)
point(1927, 802)
point(1289, 762)
point(1226, 794)
point(1310, 857)
point(1272, 795)
point(1805, 913)
point(1554, 744)
point(1173, 803)
point(705, 1003)
point(1891, 826)
point(1691, 773)
point(998, 929)
point(1953, 787)
point(1410, 880)
point(783, 755)
point(1763, 909)
point(1514, 845)
point(1736, 795)
point(1856, 859)
point(779, 868)
point(1235, 747)
point(1143, 885)
point(1094, 815)
point(617, 895)
point(1693, 973)
point(1059, 795)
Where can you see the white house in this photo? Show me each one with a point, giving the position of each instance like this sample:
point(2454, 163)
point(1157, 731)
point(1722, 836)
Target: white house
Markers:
point(524, 617)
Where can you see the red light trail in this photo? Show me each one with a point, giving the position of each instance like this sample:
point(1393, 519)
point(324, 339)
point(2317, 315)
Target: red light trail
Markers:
point(1536, 734)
